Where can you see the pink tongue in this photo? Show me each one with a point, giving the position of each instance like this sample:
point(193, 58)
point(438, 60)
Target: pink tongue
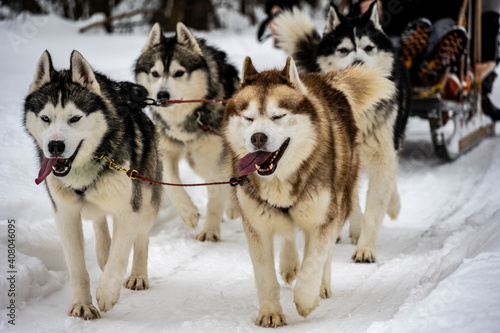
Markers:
point(45, 169)
point(247, 163)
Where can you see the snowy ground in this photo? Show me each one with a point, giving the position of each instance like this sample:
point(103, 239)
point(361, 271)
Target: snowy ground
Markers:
point(438, 267)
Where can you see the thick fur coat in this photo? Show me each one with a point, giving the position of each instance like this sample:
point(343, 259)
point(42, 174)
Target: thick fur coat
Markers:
point(295, 137)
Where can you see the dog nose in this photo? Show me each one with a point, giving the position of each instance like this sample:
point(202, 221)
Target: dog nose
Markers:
point(163, 95)
point(56, 148)
point(258, 139)
point(358, 62)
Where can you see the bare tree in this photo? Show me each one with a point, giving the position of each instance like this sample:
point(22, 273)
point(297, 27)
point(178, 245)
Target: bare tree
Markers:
point(196, 14)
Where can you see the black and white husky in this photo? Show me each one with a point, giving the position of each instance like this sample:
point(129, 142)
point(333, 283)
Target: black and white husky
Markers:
point(73, 116)
point(182, 67)
point(345, 42)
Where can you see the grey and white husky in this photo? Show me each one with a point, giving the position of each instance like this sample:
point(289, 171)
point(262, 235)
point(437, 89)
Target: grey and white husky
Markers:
point(74, 115)
point(345, 42)
point(182, 67)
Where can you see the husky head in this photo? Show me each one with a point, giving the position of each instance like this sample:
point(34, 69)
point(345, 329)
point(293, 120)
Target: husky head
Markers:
point(268, 124)
point(172, 68)
point(359, 40)
point(61, 114)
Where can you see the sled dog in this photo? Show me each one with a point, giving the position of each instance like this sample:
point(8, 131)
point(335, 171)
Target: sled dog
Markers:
point(294, 136)
point(346, 42)
point(183, 67)
point(74, 115)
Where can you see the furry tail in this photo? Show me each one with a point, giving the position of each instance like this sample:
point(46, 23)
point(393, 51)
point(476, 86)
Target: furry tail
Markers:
point(364, 87)
point(298, 37)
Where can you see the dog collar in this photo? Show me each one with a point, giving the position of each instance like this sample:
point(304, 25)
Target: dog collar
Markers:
point(284, 210)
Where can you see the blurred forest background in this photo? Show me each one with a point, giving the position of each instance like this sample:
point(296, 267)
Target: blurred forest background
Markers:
point(125, 15)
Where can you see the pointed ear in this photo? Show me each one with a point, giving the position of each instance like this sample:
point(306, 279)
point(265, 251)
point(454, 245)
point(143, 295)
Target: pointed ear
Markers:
point(186, 38)
point(334, 19)
point(291, 75)
point(373, 15)
point(249, 71)
point(43, 72)
point(82, 73)
point(155, 36)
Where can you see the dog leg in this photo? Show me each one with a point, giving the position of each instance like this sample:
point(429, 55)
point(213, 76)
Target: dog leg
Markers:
point(232, 209)
point(326, 291)
point(309, 278)
point(110, 283)
point(394, 204)
point(138, 279)
point(289, 259)
point(382, 171)
point(179, 197)
point(215, 210)
point(260, 244)
point(102, 241)
point(69, 224)
point(355, 220)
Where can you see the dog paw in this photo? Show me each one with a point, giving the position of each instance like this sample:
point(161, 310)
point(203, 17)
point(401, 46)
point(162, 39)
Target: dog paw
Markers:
point(393, 210)
point(191, 218)
point(84, 311)
point(364, 255)
point(305, 301)
point(209, 236)
point(305, 308)
point(106, 299)
point(233, 213)
point(394, 206)
point(137, 282)
point(272, 320)
point(354, 235)
point(289, 273)
point(325, 292)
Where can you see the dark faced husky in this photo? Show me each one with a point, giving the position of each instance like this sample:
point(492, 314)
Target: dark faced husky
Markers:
point(346, 42)
point(183, 67)
point(296, 139)
point(74, 115)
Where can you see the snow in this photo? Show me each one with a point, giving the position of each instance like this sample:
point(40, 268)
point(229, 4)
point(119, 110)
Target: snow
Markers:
point(438, 265)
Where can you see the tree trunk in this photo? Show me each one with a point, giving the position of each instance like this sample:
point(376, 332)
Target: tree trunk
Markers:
point(247, 8)
point(100, 6)
point(195, 14)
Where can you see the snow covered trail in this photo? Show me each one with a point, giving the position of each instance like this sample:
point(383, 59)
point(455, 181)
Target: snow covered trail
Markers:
point(438, 267)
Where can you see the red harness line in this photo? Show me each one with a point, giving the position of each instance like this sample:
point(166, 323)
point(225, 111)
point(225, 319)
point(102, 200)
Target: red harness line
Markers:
point(166, 102)
point(162, 102)
point(134, 174)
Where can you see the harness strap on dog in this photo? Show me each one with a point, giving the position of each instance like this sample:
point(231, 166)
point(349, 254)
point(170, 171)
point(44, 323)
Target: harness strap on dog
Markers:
point(161, 102)
point(166, 102)
point(204, 127)
point(134, 174)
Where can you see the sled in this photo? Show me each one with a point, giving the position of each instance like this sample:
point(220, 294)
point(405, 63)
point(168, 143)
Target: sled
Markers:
point(457, 125)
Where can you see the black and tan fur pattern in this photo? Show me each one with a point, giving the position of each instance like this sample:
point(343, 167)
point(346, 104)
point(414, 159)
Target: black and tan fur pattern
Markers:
point(183, 67)
point(104, 116)
point(310, 120)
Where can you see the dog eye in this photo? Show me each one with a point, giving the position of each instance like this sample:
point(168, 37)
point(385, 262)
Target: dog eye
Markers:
point(248, 119)
point(75, 119)
point(179, 74)
point(369, 48)
point(155, 74)
point(45, 119)
point(278, 117)
point(343, 50)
